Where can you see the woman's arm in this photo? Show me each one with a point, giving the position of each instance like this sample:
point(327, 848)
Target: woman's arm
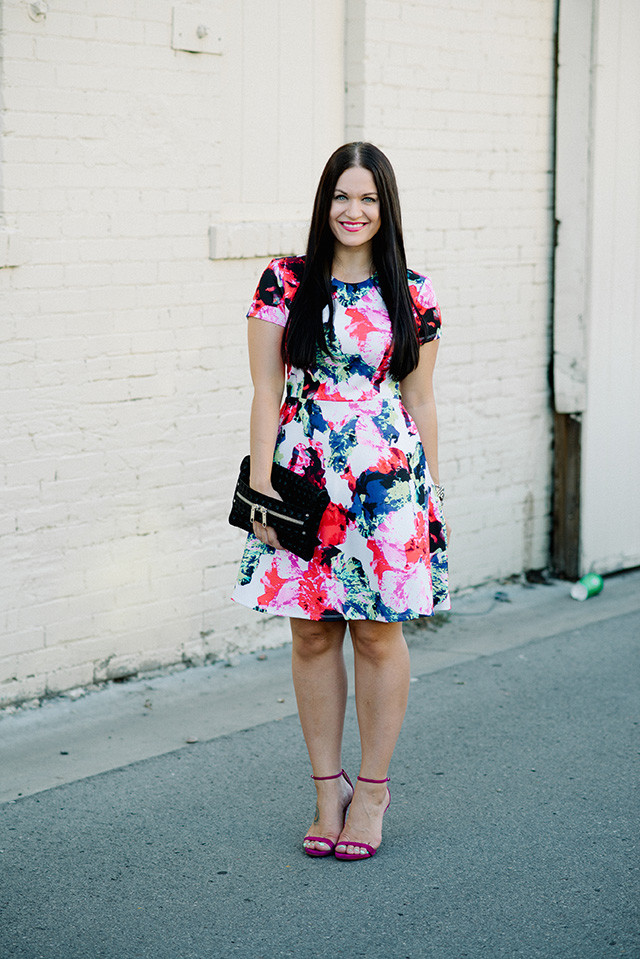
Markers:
point(267, 374)
point(419, 400)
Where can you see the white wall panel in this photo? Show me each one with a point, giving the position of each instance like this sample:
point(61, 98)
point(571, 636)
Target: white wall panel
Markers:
point(610, 512)
point(282, 106)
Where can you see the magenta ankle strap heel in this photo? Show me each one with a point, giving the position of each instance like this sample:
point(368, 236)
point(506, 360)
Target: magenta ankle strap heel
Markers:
point(337, 776)
point(370, 851)
point(331, 845)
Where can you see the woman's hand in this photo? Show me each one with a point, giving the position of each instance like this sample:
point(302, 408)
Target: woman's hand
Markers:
point(267, 534)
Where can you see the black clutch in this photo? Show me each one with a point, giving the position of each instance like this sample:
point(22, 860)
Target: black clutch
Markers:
point(296, 519)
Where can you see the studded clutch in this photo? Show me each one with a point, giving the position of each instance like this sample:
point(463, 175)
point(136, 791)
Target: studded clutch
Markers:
point(296, 519)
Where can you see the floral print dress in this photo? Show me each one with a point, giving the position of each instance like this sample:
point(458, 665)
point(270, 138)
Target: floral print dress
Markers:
point(382, 544)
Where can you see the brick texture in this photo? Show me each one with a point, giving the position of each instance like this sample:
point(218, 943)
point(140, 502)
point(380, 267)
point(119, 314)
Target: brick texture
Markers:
point(124, 387)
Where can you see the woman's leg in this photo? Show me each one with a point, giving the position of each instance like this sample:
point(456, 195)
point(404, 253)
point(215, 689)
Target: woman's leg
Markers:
point(320, 682)
point(382, 688)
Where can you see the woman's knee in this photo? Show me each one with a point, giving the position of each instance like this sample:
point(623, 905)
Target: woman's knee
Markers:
point(311, 638)
point(376, 641)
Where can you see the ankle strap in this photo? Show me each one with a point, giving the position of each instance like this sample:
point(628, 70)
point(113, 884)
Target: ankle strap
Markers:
point(337, 776)
point(363, 780)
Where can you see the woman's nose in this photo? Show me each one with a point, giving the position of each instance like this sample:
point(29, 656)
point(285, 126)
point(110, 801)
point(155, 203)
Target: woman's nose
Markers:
point(354, 209)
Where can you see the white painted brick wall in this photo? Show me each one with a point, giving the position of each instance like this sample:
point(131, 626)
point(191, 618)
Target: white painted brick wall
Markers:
point(124, 388)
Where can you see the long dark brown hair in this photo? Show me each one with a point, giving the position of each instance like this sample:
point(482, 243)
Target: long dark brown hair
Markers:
point(304, 332)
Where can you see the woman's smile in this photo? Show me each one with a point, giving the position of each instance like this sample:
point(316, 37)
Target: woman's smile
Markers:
point(352, 227)
point(354, 216)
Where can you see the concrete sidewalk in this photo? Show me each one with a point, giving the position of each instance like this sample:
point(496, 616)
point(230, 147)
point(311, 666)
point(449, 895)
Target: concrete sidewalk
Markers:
point(66, 740)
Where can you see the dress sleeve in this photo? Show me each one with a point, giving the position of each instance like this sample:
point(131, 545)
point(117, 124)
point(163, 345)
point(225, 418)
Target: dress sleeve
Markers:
point(269, 299)
point(424, 300)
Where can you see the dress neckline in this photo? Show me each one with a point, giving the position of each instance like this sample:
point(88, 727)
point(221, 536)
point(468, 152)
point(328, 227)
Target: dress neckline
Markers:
point(369, 281)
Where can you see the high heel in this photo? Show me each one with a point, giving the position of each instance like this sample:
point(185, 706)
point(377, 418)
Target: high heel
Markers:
point(370, 850)
point(323, 839)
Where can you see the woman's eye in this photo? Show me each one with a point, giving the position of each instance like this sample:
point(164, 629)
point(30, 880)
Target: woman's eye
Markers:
point(339, 196)
point(369, 199)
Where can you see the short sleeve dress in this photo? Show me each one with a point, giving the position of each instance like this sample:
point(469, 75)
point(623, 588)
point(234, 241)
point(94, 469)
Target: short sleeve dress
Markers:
point(382, 552)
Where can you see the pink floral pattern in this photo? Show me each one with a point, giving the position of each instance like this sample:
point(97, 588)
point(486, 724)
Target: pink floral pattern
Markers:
point(382, 553)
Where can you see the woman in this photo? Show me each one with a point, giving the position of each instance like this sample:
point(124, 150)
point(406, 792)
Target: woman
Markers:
point(353, 335)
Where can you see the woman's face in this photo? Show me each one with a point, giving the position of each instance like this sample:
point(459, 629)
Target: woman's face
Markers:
point(354, 216)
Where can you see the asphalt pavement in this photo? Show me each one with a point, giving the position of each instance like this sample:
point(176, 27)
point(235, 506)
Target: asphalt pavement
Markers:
point(512, 831)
